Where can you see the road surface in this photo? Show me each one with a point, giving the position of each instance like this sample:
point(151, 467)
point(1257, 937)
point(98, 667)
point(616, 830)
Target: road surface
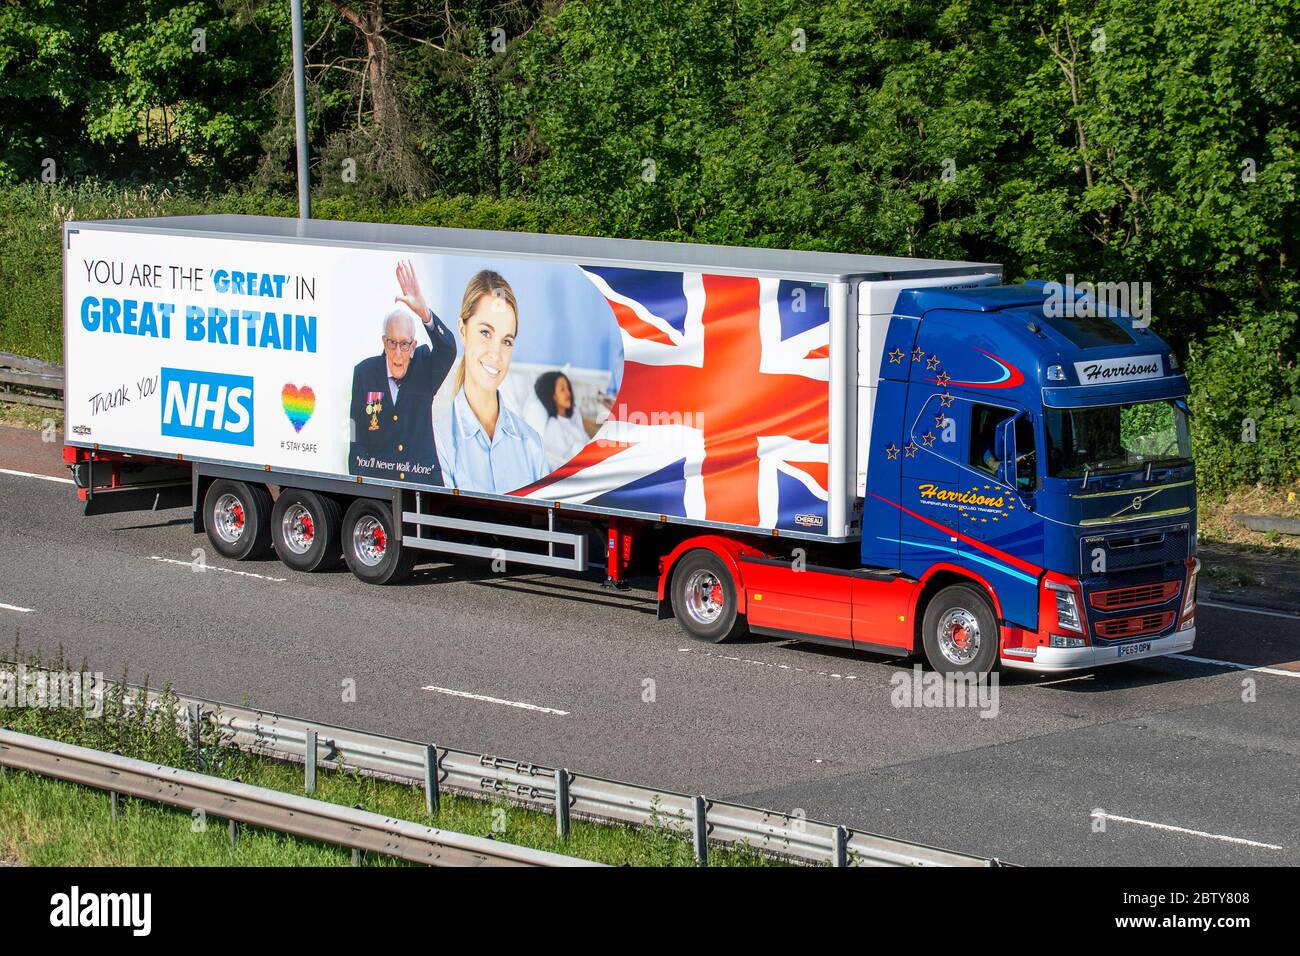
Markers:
point(1172, 762)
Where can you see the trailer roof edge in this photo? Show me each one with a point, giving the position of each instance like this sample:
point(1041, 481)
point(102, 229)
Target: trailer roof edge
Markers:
point(584, 250)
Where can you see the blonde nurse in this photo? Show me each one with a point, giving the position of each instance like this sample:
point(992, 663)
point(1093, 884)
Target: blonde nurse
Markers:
point(482, 444)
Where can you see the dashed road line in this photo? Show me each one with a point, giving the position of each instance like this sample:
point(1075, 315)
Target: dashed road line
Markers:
point(1184, 830)
point(212, 567)
point(1276, 671)
point(1064, 680)
point(15, 607)
point(497, 700)
point(783, 667)
point(1250, 610)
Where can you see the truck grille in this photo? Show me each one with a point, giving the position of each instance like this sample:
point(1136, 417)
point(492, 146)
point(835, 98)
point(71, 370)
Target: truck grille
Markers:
point(1127, 550)
point(1139, 626)
point(1138, 596)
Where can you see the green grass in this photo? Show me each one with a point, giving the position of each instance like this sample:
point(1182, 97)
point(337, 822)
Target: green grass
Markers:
point(46, 822)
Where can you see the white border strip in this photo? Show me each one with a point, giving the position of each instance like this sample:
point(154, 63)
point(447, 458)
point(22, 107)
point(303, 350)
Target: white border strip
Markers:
point(497, 700)
point(29, 474)
point(1174, 829)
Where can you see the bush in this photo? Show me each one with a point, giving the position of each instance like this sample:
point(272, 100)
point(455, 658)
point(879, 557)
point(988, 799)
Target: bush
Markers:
point(1245, 372)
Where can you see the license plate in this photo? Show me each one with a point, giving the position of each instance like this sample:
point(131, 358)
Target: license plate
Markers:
point(1128, 650)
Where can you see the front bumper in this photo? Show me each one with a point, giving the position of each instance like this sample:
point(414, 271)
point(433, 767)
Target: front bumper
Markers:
point(1053, 660)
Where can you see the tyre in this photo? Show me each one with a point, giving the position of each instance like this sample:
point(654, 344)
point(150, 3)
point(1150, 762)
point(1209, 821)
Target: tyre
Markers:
point(705, 599)
point(960, 631)
point(305, 529)
point(372, 546)
point(238, 518)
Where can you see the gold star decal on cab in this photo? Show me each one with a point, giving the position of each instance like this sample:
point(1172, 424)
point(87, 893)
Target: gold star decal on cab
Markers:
point(891, 452)
point(896, 356)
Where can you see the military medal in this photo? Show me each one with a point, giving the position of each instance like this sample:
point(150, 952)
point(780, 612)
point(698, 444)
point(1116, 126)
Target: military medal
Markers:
point(374, 405)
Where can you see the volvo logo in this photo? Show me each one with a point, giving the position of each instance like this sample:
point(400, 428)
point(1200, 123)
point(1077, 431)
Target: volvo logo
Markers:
point(1137, 502)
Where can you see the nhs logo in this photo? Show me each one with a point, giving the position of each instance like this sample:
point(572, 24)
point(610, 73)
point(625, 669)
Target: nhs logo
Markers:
point(207, 405)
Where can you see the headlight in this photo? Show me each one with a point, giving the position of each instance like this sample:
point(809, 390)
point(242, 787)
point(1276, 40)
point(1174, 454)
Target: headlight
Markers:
point(1067, 607)
point(1190, 602)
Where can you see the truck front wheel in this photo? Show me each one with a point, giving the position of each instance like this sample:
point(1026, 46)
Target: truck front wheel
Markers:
point(705, 598)
point(305, 528)
point(237, 516)
point(960, 631)
point(372, 545)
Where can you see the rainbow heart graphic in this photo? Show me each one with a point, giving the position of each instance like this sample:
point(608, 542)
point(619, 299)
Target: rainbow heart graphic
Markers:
point(298, 403)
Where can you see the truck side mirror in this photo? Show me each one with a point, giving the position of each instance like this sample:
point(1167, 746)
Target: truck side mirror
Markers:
point(1010, 468)
point(1007, 469)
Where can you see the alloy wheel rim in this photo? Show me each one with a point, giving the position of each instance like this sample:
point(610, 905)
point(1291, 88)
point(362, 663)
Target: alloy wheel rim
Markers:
point(705, 597)
point(959, 635)
point(229, 518)
point(369, 541)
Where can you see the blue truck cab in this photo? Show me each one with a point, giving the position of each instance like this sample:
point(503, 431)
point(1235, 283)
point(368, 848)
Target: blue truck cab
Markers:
point(1036, 445)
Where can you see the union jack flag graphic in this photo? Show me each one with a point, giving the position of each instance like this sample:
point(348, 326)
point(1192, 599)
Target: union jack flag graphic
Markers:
point(722, 413)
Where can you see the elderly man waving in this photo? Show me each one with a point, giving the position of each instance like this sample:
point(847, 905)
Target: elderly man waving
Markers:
point(392, 393)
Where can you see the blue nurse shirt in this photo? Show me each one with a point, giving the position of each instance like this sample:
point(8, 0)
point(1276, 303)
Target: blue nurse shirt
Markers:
point(513, 458)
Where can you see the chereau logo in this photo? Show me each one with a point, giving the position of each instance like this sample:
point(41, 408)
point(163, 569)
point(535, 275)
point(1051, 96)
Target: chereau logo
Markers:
point(207, 405)
point(74, 909)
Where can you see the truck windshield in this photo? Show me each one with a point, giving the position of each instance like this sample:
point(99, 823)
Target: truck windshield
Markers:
point(1115, 438)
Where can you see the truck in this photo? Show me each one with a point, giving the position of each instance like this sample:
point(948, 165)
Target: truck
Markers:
point(899, 456)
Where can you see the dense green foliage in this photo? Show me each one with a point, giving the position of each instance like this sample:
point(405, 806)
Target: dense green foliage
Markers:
point(1114, 140)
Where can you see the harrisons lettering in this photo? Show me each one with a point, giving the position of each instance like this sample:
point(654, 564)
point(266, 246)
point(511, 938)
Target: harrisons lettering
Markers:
point(961, 497)
point(1133, 369)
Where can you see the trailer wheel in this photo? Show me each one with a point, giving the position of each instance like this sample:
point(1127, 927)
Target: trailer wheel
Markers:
point(238, 518)
point(960, 631)
point(305, 529)
point(705, 599)
point(372, 545)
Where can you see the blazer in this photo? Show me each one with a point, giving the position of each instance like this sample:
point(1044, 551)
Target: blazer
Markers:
point(394, 440)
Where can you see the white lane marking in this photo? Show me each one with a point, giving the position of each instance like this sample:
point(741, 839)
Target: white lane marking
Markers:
point(1064, 680)
point(497, 700)
point(15, 607)
point(782, 667)
point(1235, 665)
point(1174, 829)
point(28, 474)
point(212, 567)
point(1250, 610)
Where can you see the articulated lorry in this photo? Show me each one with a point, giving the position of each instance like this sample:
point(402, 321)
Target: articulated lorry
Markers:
point(902, 456)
